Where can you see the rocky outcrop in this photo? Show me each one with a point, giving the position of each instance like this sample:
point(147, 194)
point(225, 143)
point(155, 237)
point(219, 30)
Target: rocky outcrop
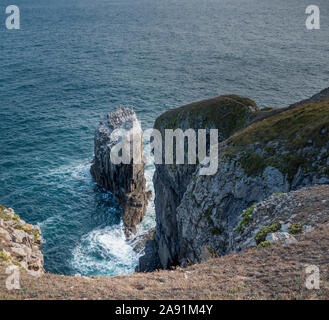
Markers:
point(228, 114)
point(20, 243)
point(285, 150)
point(282, 216)
point(125, 181)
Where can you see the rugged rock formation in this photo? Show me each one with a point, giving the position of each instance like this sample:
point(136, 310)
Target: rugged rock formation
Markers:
point(291, 213)
point(282, 151)
point(287, 151)
point(20, 243)
point(228, 114)
point(125, 181)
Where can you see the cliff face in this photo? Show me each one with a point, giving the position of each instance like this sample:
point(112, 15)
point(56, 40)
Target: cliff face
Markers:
point(20, 243)
point(125, 181)
point(228, 114)
point(277, 152)
point(284, 152)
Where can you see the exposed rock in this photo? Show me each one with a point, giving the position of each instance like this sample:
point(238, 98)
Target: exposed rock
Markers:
point(125, 181)
point(20, 243)
point(4, 234)
point(284, 151)
point(282, 237)
point(228, 114)
point(267, 157)
point(139, 242)
point(150, 260)
point(293, 213)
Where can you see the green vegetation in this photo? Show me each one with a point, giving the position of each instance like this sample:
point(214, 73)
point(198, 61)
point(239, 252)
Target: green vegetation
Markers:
point(3, 215)
point(5, 257)
point(252, 164)
point(211, 251)
point(215, 231)
point(19, 226)
point(246, 219)
point(267, 109)
point(28, 228)
point(295, 126)
point(264, 231)
point(35, 236)
point(264, 244)
point(276, 194)
point(228, 113)
point(207, 214)
point(295, 228)
point(283, 140)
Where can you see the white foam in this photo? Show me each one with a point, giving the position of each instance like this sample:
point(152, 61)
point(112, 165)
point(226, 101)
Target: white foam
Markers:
point(149, 220)
point(78, 170)
point(104, 251)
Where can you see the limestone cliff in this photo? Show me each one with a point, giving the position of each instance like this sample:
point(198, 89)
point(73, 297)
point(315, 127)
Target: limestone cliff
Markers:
point(125, 181)
point(266, 152)
point(20, 243)
point(284, 152)
point(228, 114)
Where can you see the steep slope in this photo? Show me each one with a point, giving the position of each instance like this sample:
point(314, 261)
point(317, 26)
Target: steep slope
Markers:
point(228, 114)
point(284, 152)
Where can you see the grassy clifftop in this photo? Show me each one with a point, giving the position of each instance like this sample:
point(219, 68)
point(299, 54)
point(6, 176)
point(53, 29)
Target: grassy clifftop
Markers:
point(295, 127)
point(295, 138)
point(228, 113)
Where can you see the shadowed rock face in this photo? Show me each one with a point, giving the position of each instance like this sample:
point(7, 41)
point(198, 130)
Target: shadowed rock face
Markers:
point(125, 181)
point(228, 114)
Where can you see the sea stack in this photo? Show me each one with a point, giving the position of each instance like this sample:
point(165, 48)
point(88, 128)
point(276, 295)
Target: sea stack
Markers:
point(125, 181)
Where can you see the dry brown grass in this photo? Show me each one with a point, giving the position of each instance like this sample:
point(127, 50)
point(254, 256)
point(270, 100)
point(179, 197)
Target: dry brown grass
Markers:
point(274, 272)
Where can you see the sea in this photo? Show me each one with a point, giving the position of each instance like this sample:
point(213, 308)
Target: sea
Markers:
point(73, 61)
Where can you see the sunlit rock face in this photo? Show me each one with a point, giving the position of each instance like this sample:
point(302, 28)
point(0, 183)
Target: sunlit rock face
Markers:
point(20, 243)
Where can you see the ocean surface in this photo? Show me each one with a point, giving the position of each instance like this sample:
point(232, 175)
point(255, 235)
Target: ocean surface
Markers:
point(75, 60)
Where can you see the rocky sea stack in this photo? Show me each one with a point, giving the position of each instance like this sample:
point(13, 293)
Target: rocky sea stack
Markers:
point(125, 181)
point(261, 152)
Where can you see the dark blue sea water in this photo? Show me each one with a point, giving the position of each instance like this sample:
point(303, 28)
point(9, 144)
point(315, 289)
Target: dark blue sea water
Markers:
point(75, 60)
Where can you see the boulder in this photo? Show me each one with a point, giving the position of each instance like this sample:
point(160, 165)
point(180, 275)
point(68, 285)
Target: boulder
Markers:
point(282, 237)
